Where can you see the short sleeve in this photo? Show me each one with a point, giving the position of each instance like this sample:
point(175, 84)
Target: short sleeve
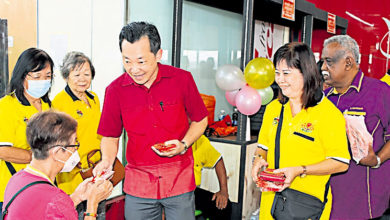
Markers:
point(7, 126)
point(264, 140)
point(385, 118)
point(195, 108)
point(111, 121)
point(61, 207)
point(334, 137)
point(205, 153)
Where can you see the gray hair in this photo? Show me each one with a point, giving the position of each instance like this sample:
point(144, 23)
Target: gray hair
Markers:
point(46, 129)
point(73, 60)
point(347, 42)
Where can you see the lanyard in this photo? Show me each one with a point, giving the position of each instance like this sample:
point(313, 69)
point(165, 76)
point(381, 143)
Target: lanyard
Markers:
point(38, 173)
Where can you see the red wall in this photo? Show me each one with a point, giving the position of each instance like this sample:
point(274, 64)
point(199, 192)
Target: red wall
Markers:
point(367, 37)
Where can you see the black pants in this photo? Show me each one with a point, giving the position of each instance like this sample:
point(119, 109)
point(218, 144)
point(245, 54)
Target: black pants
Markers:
point(208, 207)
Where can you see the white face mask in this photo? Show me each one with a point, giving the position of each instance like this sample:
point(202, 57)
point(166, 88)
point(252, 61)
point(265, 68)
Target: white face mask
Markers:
point(72, 161)
point(38, 88)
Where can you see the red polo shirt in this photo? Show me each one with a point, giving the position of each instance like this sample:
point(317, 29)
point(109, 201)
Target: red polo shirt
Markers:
point(151, 116)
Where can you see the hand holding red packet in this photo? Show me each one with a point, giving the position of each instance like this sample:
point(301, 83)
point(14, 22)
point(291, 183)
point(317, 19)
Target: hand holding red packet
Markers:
point(163, 148)
point(269, 181)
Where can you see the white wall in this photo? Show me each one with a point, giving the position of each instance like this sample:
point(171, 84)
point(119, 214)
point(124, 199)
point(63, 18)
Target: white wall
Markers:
point(89, 26)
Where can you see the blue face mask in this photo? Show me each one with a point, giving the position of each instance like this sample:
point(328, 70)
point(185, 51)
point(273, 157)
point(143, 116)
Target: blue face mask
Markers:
point(38, 88)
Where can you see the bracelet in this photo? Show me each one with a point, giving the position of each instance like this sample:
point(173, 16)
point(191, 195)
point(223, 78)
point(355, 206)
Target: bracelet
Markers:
point(90, 214)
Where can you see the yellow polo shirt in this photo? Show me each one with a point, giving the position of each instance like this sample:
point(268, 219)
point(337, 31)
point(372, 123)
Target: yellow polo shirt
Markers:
point(88, 121)
point(205, 155)
point(386, 79)
point(311, 136)
point(14, 115)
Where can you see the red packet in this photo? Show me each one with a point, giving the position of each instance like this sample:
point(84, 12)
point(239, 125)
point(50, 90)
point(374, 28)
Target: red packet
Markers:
point(163, 148)
point(269, 181)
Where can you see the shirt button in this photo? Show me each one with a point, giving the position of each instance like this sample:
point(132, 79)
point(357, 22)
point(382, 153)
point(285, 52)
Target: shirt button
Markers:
point(290, 124)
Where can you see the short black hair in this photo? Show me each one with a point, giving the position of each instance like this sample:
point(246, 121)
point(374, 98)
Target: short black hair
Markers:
point(299, 55)
point(31, 60)
point(48, 128)
point(136, 30)
point(75, 60)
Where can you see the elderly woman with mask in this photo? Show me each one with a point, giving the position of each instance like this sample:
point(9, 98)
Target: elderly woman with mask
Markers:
point(53, 140)
point(303, 134)
point(27, 94)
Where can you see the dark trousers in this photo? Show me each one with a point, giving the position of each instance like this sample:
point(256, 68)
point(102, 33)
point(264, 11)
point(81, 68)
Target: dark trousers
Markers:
point(208, 207)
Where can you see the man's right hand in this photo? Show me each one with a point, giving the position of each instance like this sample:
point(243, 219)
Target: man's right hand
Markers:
point(103, 165)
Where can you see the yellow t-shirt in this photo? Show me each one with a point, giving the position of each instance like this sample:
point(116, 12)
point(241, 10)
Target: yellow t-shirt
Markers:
point(205, 155)
point(309, 137)
point(386, 79)
point(14, 116)
point(88, 122)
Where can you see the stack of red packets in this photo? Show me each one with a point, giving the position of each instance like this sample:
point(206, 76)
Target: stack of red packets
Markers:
point(163, 148)
point(267, 180)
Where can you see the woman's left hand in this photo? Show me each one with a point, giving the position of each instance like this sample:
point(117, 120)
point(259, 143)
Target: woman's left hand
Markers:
point(290, 173)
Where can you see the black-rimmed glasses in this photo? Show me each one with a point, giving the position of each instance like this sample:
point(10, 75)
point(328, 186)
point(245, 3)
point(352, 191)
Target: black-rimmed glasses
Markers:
point(77, 145)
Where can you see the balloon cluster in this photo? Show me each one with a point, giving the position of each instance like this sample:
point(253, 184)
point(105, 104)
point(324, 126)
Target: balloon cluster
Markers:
point(250, 90)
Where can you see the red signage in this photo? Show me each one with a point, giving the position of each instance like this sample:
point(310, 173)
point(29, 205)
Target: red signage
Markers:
point(288, 10)
point(331, 23)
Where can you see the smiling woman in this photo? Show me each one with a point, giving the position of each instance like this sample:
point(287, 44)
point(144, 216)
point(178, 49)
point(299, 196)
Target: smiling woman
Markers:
point(297, 138)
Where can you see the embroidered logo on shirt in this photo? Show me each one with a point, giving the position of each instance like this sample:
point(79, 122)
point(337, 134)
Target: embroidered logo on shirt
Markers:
point(276, 121)
point(25, 119)
point(80, 113)
point(307, 127)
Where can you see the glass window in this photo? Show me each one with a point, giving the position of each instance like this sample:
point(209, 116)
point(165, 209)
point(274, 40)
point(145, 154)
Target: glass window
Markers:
point(159, 13)
point(210, 38)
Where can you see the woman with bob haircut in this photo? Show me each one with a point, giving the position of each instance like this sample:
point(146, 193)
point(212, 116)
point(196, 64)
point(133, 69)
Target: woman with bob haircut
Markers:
point(53, 140)
point(312, 140)
point(27, 95)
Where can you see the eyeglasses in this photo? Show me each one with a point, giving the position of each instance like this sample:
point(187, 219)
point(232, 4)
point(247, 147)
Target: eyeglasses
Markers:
point(77, 145)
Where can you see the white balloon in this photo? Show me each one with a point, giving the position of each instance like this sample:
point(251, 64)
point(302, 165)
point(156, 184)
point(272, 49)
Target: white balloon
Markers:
point(229, 77)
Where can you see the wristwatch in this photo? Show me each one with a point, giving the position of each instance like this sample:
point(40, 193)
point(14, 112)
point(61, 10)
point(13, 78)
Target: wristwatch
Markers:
point(303, 174)
point(185, 147)
point(378, 159)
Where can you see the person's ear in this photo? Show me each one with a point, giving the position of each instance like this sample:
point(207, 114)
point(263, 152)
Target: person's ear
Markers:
point(348, 63)
point(159, 55)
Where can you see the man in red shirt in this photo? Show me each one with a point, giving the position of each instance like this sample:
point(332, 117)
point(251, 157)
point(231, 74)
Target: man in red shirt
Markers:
point(154, 103)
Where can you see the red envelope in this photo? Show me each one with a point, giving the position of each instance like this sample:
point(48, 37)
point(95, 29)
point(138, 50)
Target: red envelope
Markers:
point(164, 148)
point(270, 181)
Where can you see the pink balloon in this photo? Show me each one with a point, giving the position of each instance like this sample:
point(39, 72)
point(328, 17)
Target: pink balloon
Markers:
point(231, 97)
point(248, 100)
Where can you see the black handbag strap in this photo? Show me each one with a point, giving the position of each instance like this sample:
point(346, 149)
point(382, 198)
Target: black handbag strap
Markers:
point(10, 168)
point(5, 212)
point(277, 151)
point(277, 138)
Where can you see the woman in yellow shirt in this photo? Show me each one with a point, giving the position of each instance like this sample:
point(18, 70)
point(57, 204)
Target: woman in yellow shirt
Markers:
point(84, 106)
point(27, 94)
point(313, 142)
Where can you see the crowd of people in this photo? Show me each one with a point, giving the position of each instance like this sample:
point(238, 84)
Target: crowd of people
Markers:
point(44, 144)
